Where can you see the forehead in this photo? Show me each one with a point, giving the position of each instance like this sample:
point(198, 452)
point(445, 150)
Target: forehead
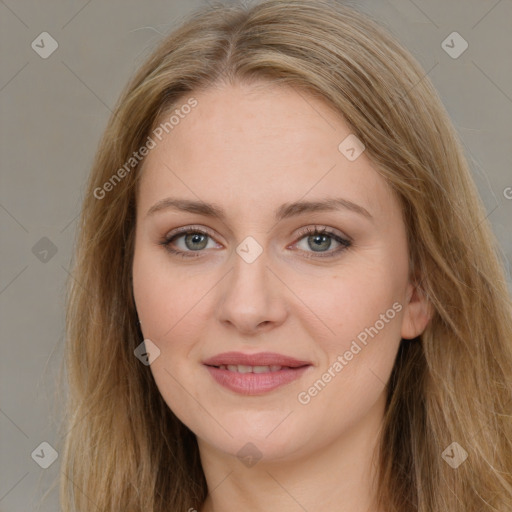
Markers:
point(261, 143)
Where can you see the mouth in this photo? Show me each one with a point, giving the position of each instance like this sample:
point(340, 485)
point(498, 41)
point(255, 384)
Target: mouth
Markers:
point(254, 374)
point(241, 368)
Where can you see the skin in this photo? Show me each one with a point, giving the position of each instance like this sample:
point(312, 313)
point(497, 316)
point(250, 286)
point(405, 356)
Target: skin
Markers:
point(249, 149)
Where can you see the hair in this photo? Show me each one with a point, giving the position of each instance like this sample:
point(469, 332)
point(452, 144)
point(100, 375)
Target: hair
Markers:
point(124, 449)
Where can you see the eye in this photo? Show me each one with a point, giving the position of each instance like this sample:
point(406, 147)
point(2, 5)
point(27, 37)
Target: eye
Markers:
point(317, 242)
point(193, 240)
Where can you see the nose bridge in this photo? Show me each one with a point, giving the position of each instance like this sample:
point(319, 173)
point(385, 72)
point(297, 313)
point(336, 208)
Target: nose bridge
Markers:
point(250, 263)
point(251, 295)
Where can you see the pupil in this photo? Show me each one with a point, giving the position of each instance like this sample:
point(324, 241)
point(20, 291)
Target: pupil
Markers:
point(320, 238)
point(195, 238)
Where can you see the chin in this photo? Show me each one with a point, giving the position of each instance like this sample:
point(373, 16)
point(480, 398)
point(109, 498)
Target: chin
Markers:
point(264, 440)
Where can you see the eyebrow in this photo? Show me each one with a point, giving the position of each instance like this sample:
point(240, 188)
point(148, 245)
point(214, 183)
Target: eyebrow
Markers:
point(285, 211)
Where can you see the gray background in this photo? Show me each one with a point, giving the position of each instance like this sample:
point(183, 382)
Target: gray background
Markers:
point(54, 111)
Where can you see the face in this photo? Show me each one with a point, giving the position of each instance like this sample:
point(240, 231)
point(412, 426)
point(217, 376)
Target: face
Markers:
point(309, 299)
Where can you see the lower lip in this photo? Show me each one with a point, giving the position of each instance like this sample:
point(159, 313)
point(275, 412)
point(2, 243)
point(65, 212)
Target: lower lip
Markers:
point(255, 383)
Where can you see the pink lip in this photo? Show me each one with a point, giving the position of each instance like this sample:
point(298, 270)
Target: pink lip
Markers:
point(255, 383)
point(259, 359)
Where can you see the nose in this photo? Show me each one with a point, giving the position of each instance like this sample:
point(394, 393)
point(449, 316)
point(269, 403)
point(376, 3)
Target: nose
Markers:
point(251, 298)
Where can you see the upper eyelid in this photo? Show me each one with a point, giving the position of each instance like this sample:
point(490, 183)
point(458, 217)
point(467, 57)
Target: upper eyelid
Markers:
point(323, 230)
point(301, 232)
point(187, 230)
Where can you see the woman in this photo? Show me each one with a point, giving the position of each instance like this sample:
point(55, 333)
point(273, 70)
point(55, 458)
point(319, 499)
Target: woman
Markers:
point(286, 294)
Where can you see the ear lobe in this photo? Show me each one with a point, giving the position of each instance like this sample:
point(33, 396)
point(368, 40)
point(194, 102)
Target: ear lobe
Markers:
point(417, 313)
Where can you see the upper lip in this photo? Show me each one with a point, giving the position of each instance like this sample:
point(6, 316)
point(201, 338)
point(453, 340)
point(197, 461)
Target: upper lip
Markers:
point(260, 359)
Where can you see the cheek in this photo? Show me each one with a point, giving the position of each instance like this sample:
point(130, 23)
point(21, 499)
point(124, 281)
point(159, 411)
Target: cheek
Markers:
point(170, 310)
point(358, 337)
point(168, 301)
point(343, 305)
point(356, 358)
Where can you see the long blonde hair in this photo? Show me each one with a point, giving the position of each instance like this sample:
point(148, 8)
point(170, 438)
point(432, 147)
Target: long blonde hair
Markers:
point(124, 450)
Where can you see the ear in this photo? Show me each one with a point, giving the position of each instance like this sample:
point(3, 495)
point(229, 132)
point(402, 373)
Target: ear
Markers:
point(417, 313)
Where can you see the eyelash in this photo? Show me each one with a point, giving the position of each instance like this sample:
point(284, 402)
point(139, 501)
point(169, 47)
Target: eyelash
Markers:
point(308, 231)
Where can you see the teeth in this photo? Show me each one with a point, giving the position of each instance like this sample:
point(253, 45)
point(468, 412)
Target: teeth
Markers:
point(250, 369)
point(261, 369)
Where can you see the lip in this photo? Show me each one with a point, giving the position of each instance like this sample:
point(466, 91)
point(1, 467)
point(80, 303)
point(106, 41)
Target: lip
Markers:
point(259, 359)
point(255, 383)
